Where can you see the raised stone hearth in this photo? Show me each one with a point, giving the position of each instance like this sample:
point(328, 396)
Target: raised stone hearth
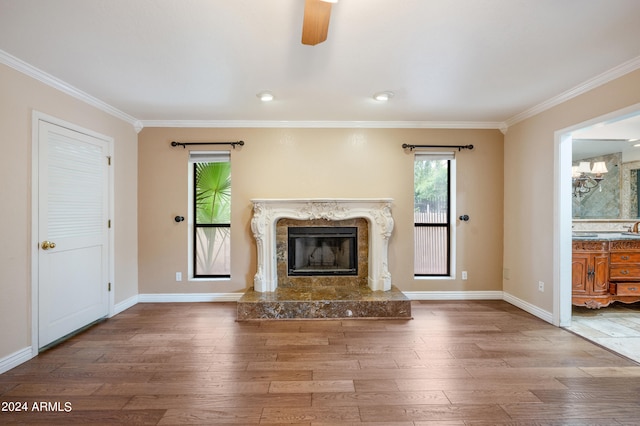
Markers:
point(324, 303)
point(278, 293)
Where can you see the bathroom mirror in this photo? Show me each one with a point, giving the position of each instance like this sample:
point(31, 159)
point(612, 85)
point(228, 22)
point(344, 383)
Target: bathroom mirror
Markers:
point(616, 196)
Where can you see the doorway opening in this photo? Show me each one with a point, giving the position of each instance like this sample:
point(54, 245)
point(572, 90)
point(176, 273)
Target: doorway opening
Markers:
point(617, 132)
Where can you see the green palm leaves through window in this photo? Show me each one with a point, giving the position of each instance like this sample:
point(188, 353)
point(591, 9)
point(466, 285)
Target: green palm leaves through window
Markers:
point(212, 219)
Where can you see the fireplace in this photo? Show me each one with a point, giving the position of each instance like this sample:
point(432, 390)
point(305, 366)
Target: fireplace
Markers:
point(322, 250)
point(361, 226)
point(371, 216)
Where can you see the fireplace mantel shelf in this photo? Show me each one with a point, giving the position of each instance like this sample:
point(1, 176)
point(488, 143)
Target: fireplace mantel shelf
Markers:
point(267, 212)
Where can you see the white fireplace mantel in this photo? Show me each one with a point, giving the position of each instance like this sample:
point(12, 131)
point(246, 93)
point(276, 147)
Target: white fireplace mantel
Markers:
point(267, 212)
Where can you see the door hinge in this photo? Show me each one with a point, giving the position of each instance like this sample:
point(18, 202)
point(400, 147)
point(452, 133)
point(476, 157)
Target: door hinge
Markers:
point(109, 223)
point(109, 287)
point(108, 160)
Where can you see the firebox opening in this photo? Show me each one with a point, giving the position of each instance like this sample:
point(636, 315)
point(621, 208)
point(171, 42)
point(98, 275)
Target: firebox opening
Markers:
point(316, 250)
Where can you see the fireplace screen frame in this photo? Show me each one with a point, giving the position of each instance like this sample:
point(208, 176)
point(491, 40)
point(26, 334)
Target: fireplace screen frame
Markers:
point(348, 233)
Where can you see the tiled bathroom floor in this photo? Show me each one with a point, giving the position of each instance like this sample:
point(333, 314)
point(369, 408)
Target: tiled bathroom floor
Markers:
point(616, 327)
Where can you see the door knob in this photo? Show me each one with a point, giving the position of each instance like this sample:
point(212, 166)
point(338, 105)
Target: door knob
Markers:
point(46, 245)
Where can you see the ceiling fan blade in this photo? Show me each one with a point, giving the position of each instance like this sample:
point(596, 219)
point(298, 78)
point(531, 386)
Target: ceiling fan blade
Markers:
point(315, 25)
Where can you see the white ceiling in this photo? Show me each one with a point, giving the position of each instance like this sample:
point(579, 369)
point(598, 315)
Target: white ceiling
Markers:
point(473, 61)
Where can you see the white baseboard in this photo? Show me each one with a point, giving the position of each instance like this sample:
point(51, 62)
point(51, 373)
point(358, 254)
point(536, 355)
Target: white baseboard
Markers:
point(188, 297)
point(528, 307)
point(453, 295)
point(125, 304)
point(15, 359)
point(481, 295)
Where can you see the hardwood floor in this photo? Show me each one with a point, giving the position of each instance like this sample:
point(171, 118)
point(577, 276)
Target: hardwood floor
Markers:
point(456, 363)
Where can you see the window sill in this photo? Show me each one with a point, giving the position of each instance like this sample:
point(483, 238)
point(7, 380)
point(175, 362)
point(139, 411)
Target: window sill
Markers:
point(208, 279)
point(443, 277)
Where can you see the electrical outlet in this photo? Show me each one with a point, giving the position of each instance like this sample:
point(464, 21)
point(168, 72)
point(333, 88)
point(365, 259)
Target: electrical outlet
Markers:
point(178, 276)
point(540, 286)
point(464, 275)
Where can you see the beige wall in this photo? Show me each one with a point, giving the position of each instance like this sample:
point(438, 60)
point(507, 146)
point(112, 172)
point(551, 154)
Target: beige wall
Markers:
point(318, 163)
point(529, 186)
point(20, 96)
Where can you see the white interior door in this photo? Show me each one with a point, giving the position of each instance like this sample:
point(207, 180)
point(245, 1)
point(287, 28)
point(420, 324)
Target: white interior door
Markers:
point(73, 198)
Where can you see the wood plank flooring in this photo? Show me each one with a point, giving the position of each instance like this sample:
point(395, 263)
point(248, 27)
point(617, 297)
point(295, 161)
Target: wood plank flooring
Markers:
point(455, 363)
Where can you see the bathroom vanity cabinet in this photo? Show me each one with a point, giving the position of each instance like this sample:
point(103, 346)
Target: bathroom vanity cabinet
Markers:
point(590, 274)
point(605, 269)
point(624, 271)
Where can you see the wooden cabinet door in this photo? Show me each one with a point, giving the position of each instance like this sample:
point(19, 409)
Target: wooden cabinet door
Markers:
point(600, 277)
point(579, 269)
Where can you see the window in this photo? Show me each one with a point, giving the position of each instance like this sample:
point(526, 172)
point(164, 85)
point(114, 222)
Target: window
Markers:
point(432, 213)
point(211, 214)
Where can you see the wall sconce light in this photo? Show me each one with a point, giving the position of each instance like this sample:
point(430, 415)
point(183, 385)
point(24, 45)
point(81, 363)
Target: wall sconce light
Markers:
point(582, 179)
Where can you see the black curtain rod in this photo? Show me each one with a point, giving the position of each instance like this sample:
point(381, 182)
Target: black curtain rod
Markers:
point(412, 147)
point(184, 144)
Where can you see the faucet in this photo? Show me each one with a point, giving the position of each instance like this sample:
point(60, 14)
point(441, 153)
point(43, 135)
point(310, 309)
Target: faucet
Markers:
point(634, 227)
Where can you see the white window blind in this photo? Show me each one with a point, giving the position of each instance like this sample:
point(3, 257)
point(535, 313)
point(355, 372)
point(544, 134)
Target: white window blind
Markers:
point(209, 156)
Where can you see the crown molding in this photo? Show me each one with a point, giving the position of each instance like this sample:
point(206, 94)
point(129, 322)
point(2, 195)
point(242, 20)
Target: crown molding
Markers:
point(606, 77)
point(323, 124)
point(37, 74)
point(56, 83)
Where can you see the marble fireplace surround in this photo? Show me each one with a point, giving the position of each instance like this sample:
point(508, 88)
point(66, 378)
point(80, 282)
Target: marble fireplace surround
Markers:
point(267, 212)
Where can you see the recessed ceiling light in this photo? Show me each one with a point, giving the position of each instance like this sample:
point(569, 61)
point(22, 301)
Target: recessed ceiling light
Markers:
point(383, 96)
point(330, 1)
point(265, 96)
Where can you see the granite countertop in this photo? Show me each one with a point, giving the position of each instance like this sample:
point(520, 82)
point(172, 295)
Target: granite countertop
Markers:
point(604, 236)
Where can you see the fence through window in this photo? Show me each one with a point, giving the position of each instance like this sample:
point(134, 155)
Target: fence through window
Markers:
point(432, 214)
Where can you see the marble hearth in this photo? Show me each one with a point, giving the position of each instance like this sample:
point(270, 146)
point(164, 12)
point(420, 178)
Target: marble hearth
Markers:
point(323, 303)
point(277, 295)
